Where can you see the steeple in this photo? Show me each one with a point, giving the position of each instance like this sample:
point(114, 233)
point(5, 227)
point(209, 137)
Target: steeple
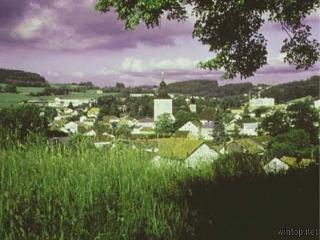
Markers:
point(162, 91)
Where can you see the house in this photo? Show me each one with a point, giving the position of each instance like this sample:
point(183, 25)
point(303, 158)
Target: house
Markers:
point(93, 112)
point(207, 129)
point(99, 92)
point(261, 102)
point(199, 130)
point(317, 104)
point(275, 166)
point(111, 119)
point(70, 127)
point(83, 119)
point(145, 122)
point(249, 128)
point(60, 103)
point(293, 162)
point(232, 127)
point(102, 144)
point(243, 145)
point(142, 131)
point(137, 95)
point(191, 152)
point(194, 128)
point(91, 133)
point(130, 121)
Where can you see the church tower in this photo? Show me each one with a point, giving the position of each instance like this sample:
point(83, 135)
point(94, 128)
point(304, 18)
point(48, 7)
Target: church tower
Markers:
point(162, 102)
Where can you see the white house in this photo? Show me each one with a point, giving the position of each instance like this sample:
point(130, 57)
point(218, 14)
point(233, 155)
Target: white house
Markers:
point(145, 122)
point(59, 102)
point(70, 127)
point(102, 144)
point(317, 104)
point(275, 166)
point(57, 118)
point(91, 133)
point(83, 119)
point(249, 129)
point(262, 102)
point(203, 154)
point(207, 129)
point(187, 151)
point(142, 131)
point(93, 112)
point(193, 128)
point(162, 106)
point(201, 130)
point(137, 95)
point(232, 126)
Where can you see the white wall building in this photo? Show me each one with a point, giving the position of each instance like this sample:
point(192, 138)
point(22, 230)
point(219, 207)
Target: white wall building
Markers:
point(145, 122)
point(197, 131)
point(59, 102)
point(162, 106)
point(192, 128)
point(70, 127)
point(262, 102)
point(202, 154)
point(317, 104)
point(141, 94)
point(275, 166)
point(249, 129)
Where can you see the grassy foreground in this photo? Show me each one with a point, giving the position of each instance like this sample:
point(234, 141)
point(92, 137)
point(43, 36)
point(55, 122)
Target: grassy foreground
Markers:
point(88, 193)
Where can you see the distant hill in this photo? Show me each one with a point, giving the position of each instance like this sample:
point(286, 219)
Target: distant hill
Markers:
point(289, 91)
point(231, 90)
point(200, 87)
point(208, 88)
point(21, 78)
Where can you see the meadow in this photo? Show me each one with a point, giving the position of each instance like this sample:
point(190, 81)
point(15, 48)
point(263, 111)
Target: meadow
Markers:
point(13, 99)
point(81, 192)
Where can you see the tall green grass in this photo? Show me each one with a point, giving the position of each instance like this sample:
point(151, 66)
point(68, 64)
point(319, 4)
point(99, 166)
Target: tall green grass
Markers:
point(80, 192)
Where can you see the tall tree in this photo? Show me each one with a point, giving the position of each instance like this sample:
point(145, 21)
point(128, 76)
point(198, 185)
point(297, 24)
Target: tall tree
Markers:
point(164, 124)
point(182, 117)
point(231, 28)
point(304, 116)
point(219, 132)
point(275, 124)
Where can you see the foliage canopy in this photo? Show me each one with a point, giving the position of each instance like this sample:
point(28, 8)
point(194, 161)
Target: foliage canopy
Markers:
point(231, 28)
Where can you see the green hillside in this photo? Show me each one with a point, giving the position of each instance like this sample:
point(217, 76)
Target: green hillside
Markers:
point(199, 87)
point(289, 91)
point(208, 88)
point(21, 78)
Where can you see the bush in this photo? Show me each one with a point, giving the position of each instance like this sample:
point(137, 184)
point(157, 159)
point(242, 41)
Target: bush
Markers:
point(21, 121)
point(10, 88)
point(248, 207)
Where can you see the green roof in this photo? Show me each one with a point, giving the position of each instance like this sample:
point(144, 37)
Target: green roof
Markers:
point(248, 145)
point(178, 148)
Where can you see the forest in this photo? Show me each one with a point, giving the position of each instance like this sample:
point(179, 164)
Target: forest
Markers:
point(289, 91)
point(22, 78)
point(208, 88)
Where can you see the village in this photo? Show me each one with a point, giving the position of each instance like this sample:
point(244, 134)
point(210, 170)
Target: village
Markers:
point(169, 135)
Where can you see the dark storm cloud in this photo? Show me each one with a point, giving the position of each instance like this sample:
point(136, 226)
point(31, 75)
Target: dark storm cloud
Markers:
point(72, 25)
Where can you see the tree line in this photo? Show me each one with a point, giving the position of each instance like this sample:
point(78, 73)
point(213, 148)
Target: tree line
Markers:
point(22, 78)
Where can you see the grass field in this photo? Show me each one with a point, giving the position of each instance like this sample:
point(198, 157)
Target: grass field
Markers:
point(87, 193)
point(8, 99)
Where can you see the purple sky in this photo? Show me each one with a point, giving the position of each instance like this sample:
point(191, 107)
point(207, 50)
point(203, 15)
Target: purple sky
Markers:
point(66, 40)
